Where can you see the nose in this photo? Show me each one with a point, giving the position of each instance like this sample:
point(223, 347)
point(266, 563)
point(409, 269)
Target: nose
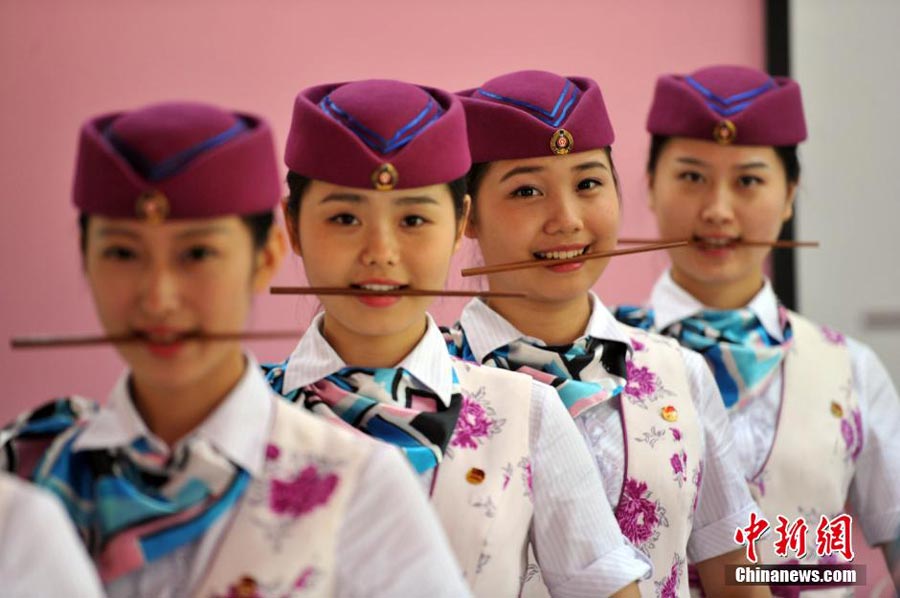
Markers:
point(160, 291)
point(564, 215)
point(381, 247)
point(719, 206)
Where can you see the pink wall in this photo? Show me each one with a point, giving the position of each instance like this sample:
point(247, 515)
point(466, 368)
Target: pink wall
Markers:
point(63, 61)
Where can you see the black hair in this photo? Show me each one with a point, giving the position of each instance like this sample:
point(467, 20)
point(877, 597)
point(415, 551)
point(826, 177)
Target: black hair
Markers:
point(297, 184)
point(787, 154)
point(476, 174)
point(259, 225)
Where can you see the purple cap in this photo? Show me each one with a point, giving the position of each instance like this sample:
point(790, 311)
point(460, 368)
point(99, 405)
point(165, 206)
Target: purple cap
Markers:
point(728, 104)
point(530, 114)
point(176, 160)
point(378, 134)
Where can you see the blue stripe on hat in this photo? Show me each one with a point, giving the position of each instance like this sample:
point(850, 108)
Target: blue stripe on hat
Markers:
point(551, 118)
point(722, 105)
point(373, 140)
point(174, 164)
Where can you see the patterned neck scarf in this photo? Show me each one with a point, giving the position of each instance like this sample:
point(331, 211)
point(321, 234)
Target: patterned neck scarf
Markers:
point(389, 404)
point(744, 357)
point(131, 504)
point(584, 373)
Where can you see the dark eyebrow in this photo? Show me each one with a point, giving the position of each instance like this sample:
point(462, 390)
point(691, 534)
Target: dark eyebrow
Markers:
point(692, 161)
point(749, 165)
point(412, 200)
point(521, 170)
point(199, 232)
point(348, 197)
point(589, 165)
point(111, 231)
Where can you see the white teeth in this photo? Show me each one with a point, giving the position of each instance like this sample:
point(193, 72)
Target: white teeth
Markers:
point(379, 287)
point(560, 255)
point(717, 241)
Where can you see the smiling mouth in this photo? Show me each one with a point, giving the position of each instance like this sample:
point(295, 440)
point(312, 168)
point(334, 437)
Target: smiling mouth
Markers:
point(716, 242)
point(168, 338)
point(560, 255)
point(379, 288)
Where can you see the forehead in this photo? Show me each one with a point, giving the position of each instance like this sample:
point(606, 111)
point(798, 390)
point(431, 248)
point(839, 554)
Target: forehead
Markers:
point(562, 163)
point(320, 191)
point(716, 154)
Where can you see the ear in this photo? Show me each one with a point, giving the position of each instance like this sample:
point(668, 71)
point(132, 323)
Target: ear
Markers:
point(789, 205)
point(471, 229)
point(269, 258)
point(463, 226)
point(291, 226)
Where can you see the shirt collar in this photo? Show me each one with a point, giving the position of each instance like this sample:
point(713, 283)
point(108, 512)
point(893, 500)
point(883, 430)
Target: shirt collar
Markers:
point(314, 359)
point(239, 427)
point(671, 303)
point(487, 331)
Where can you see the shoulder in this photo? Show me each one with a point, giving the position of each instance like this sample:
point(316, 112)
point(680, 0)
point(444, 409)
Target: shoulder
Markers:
point(318, 433)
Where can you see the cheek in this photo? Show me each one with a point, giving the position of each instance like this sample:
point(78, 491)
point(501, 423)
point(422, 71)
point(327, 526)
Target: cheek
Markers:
point(505, 232)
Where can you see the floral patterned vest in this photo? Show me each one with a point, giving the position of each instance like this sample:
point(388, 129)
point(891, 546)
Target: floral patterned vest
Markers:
point(310, 472)
point(482, 487)
point(662, 434)
point(808, 475)
point(663, 468)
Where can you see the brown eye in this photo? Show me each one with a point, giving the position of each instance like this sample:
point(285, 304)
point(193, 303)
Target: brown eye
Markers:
point(526, 191)
point(119, 253)
point(344, 219)
point(588, 184)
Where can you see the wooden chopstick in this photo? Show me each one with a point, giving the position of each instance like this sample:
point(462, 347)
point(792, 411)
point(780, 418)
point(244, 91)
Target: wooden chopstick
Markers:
point(588, 256)
point(397, 293)
point(779, 244)
point(47, 342)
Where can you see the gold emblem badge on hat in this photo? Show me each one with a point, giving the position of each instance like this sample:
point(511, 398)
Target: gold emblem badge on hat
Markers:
point(561, 143)
point(724, 132)
point(152, 206)
point(385, 177)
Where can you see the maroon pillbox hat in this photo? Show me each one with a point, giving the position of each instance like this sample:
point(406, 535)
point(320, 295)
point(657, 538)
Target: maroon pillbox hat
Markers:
point(378, 134)
point(530, 114)
point(177, 160)
point(728, 104)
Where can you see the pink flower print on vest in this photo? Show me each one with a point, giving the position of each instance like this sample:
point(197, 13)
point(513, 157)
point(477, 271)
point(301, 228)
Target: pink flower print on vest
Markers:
point(272, 452)
point(643, 385)
point(698, 479)
point(527, 479)
point(638, 345)
point(851, 430)
point(679, 467)
point(833, 336)
point(302, 494)
point(668, 586)
point(676, 434)
point(507, 474)
point(640, 516)
point(476, 423)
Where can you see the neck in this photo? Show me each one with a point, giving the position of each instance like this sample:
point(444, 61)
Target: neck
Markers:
point(554, 322)
point(371, 351)
point(172, 413)
point(728, 295)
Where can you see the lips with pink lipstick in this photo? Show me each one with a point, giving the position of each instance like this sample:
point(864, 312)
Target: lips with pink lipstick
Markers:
point(382, 285)
point(163, 341)
point(562, 252)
